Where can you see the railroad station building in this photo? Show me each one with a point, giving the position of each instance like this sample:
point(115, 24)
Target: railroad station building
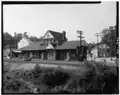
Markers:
point(52, 46)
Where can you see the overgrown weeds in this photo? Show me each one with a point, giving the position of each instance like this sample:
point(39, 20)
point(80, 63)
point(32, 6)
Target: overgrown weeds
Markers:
point(96, 79)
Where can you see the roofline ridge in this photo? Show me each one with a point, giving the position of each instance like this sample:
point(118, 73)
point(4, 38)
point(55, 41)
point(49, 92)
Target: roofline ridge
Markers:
point(54, 31)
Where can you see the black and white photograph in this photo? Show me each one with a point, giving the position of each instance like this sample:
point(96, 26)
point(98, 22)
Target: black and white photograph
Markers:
point(60, 47)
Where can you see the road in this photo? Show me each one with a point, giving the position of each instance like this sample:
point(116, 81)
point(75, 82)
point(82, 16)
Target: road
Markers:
point(20, 64)
point(49, 63)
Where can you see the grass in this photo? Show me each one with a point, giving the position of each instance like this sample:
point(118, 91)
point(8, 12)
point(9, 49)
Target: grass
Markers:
point(93, 79)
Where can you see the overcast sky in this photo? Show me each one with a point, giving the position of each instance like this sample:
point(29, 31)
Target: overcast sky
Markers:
point(37, 19)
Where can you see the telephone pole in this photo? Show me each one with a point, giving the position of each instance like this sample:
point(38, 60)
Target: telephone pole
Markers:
point(97, 35)
point(80, 36)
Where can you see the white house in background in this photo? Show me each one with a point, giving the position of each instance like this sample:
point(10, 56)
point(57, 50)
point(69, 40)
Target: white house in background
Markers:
point(94, 52)
point(25, 41)
point(102, 50)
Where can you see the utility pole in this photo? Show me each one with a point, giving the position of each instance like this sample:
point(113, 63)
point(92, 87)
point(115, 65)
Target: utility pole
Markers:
point(80, 36)
point(97, 35)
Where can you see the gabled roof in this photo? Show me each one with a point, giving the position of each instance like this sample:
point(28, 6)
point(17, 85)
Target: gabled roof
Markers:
point(71, 45)
point(50, 46)
point(25, 37)
point(56, 35)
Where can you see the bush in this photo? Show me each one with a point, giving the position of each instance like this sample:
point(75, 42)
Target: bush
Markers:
point(59, 89)
point(13, 85)
point(36, 72)
point(55, 78)
point(111, 82)
point(96, 79)
point(103, 78)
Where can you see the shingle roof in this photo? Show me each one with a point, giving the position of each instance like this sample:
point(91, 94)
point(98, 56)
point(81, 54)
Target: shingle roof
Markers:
point(34, 46)
point(66, 45)
point(71, 45)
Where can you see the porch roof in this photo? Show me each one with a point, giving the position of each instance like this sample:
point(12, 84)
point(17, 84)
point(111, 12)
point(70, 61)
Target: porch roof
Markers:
point(16, 51)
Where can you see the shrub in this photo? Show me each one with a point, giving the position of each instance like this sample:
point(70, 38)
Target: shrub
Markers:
point(59, 89)
point(102, 78)
point(13, 85)
point(55, 78)
point(36, 71)
point(111, 82)
point(96, 79)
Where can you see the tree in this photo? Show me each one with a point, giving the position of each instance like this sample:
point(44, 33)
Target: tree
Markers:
point(12, 41)
point(34, 38)
point(109, 37)
point(7, 39)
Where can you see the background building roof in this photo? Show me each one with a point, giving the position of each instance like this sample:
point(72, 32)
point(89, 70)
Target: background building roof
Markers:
point(101, 46)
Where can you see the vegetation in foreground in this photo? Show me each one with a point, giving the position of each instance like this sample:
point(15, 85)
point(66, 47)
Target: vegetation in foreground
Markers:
point(95, 79)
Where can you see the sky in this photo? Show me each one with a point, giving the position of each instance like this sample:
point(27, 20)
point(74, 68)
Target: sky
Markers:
point(37, 19)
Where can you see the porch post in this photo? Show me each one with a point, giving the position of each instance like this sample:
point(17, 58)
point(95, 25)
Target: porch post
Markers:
point(54, 54)
point(68, 56)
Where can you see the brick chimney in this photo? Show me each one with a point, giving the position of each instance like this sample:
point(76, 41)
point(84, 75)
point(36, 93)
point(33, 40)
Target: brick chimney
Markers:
point(63, 35)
